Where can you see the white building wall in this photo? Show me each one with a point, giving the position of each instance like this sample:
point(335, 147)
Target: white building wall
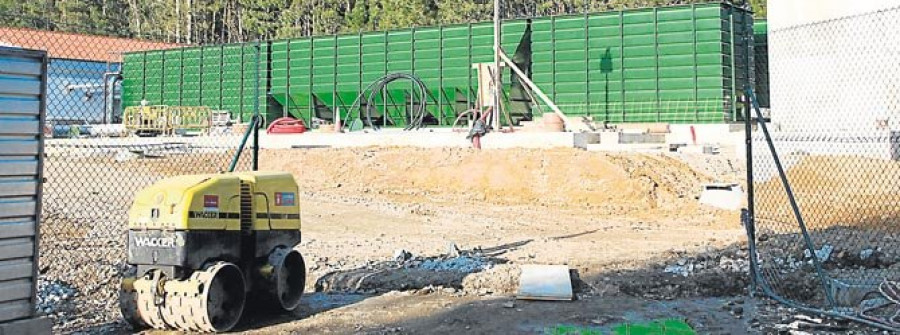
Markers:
point(834, 66)
point(792, 13)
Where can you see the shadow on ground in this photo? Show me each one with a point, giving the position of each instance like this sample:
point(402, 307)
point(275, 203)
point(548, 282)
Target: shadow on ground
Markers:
point(705, 289)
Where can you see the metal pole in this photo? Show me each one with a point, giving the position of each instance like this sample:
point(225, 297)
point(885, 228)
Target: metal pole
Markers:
point(257, 117)
point(749, 222)
point(791, 199)
point(497, 76)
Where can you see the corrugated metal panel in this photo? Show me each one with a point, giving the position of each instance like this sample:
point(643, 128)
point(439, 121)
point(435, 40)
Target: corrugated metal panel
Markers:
point(669, 64)
point(761, 61)
point(22, 92)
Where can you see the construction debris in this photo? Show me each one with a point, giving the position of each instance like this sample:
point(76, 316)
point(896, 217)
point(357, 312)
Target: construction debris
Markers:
point(545, 282)
point(723, 196)
point(803, 323)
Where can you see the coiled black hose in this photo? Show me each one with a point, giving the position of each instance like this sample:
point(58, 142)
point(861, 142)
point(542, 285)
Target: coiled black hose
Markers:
point(416, 115)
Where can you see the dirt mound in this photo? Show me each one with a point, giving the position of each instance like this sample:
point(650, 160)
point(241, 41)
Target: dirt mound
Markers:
point(560, 178)
point(834, 190)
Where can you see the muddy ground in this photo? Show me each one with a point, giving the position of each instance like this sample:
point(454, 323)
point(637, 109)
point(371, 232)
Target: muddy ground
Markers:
point(639, 245)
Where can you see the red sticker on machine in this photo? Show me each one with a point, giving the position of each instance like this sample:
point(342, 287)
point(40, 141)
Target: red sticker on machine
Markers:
point(284, 199)
point(211, 202)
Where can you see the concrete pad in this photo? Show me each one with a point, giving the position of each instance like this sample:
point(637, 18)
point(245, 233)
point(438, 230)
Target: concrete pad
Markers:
point(640, 147)
point(431, 138)
point(724, 196)
point(545, 282)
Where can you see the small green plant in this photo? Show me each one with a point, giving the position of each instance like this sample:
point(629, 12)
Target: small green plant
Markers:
point(572, 330)
point(657, 327)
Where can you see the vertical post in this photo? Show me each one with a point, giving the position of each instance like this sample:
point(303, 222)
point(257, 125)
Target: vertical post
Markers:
point(497, 76)
point(257, 118)
point(286, 108)
point(335, 100)
point(243, 79)
point(749, 215)
point(696, 76)
point(734, 89)
point(441, 96)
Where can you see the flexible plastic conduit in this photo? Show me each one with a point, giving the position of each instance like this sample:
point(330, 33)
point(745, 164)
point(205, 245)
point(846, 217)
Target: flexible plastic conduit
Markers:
point(416, 115)
point(286, 125)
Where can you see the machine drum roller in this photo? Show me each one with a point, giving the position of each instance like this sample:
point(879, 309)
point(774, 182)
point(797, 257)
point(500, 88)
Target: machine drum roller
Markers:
point(204, 245)
point(285, 277)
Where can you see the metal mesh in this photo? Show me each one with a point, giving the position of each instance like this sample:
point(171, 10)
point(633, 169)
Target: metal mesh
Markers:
point(827, 199)
point(94, 164)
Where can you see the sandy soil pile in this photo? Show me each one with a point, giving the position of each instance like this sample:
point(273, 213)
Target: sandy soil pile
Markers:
point(835, 191)
point(560, 179)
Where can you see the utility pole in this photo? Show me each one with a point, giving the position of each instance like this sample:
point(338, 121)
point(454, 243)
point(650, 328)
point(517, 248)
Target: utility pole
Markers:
point(497, 73)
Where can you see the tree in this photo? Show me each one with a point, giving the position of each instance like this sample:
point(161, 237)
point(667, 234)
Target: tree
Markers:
point(219, 21)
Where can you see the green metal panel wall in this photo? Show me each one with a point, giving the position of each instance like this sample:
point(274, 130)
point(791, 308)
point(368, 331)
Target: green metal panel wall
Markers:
point(761, 62)
point(191, 70)
point(314, 77)
point(132, 79)
point(671, 64)
point(228, 77)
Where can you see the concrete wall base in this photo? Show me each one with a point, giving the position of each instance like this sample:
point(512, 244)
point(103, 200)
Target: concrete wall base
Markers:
point(423, 139)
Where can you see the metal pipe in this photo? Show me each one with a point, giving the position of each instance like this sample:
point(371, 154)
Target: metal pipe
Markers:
point(256, 116)
point(749, 220)
point(237, 154)
point(497, 73)
point(768, 291)
point(792, 199)
point(107, 91)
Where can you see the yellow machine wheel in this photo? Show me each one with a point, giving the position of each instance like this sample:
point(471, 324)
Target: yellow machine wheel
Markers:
point(285, 273)
point(210, 300)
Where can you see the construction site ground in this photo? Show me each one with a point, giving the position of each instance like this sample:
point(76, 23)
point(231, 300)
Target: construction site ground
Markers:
point(616, 220)
point(416, 240)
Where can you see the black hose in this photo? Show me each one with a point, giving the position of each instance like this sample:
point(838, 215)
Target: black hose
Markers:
point(416, 115)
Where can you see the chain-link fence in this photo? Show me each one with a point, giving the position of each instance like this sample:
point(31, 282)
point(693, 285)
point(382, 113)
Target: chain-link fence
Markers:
point(825, 171)
point(105, 140)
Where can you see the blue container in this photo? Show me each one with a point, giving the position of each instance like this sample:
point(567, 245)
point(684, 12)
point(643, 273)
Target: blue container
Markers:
point(75, 92)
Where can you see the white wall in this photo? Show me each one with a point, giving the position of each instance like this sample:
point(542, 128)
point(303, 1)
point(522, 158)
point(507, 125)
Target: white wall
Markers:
point(834, 65)
point(789, 13)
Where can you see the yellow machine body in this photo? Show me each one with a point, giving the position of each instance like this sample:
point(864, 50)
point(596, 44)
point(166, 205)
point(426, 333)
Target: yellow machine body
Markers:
point(202, 243)
point(213, 202)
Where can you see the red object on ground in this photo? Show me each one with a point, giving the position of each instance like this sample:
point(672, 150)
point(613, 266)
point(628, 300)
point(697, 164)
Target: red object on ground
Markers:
point(286, 125)
point(476, 142)
point(693, 135)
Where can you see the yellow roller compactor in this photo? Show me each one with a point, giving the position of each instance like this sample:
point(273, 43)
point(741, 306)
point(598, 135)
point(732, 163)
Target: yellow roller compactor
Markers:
point(206, 246)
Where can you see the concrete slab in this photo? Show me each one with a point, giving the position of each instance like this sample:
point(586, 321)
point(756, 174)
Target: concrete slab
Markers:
point(545, 282)
point(640, 147)
point(724, 196)
point(421, 138)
